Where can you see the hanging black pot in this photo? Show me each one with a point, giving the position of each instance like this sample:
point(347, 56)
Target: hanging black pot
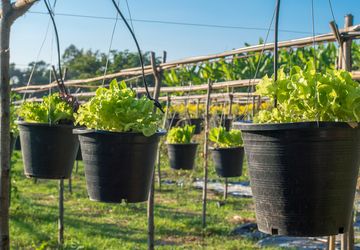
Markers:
point(182, 156)
point(198, 124)
point(228, 161)
point(48, 151)
point(173, 122)
point(13, 139)
point(17, 143)
point(118, 166)
point(226, 123)
point(78, 154)
point(303, 175)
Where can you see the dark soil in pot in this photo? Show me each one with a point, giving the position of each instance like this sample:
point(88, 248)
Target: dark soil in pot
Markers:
point(48, 151)
point(228, 161)
point(303, 175)
point(118, 166)
point(182, 156)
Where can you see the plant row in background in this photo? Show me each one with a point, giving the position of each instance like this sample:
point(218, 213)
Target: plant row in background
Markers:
point(194, 110)
point(244, 66)
point(227, 150)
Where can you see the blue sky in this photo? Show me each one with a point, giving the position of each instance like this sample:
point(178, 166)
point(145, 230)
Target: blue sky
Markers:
point(178, 40)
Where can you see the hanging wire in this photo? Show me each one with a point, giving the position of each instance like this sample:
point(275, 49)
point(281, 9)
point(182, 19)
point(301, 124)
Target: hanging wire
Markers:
point(334, 20)
point(315, 60)
point(110, 46)
point(331, 9)
point(251, 88)
point(59, 79)
point(130, 16)
point(38, 56)
point(156, 103)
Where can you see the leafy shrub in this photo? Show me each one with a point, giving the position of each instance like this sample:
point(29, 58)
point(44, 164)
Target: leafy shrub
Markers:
point(181, 134)
point(305, 95)
point(52, 110)
point(225, 139)
point(117, 109)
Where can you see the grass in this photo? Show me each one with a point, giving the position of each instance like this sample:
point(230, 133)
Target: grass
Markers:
point(93, 225)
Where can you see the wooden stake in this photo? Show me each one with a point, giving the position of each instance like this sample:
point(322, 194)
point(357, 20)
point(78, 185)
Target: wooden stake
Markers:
point(70, 184)
point(206, 151)
point(198, 108)
point(159, 149)
point(347, 239)
point(331, 242)
point(150, 208)
point(231, 98)
point(61, 213)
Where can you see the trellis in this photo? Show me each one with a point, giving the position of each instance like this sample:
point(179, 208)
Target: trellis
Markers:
point(347, 34)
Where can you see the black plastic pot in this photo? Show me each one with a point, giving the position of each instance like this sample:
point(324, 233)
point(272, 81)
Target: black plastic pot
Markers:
point(48, 151)
point(78, 155)
point(198, 124)
point(13, 139)
point(17, 143)
point(182, 156)
point(303, 175)
point(226, 123)
point(228, 161)
point(172, 122)
point(118, 166)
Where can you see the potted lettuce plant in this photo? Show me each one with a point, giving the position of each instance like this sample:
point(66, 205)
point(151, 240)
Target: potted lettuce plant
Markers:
point(303, 154)
point(47, 142)
point(228, 152)
point(181, 148)
point(119, 144)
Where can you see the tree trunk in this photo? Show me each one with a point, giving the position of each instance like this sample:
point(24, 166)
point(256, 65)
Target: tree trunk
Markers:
point(4, 131)
point(9, 13)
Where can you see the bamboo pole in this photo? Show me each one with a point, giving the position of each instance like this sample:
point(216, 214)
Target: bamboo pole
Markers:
point(61, 213)
point(158, 162)
point(150, 208)
point(226, 184)
point(347, 239)
point(350, 32)
point(206, 152)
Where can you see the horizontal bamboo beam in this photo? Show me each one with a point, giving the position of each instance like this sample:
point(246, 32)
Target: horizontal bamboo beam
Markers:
point(352, 32)
point(212, 96)
point(219, 85)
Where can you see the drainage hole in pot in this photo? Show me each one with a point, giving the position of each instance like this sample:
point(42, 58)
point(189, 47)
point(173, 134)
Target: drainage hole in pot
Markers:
point(274, 231)
point(341, 230)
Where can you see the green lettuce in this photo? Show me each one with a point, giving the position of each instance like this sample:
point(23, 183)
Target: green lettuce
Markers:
point(306, 95)
point(117, 109)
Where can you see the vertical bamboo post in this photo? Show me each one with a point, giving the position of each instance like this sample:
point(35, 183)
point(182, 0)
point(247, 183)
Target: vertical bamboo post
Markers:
point(206, 152)
point(198, 108)
point(347, 239)
point(150, 207)
point(158, 163)
point(61, 213)
point(226, 184)
point(330, 243)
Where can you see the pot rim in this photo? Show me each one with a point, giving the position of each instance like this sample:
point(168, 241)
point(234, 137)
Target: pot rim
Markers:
point(83, 131)
point(223, 149)
point(191, 143)
point(245, 126)
point(41, 124)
